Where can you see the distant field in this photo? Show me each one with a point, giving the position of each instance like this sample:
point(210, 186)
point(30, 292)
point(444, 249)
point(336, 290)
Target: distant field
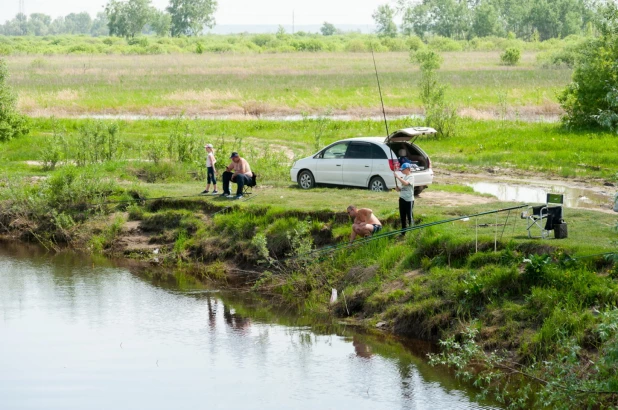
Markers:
point(279, 84)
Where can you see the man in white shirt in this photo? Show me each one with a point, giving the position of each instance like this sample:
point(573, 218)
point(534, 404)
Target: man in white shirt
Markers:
point(406, 196)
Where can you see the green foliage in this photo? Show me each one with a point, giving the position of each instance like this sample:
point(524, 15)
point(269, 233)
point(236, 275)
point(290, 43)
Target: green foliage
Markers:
point(383, 17)
point(591, 98)
point(428, 60)
point(12, 124)
point(439, 114)
point(54, 150)
point(527, 19)
point(127, 18)
point(161, 23)
point(189, 17)
point(569, 379)
point(97, 142)
point(511, 56)
point(328, 29)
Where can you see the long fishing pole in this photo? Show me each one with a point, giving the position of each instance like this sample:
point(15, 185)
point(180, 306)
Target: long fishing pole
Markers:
point(364, 241)
point(383, 112)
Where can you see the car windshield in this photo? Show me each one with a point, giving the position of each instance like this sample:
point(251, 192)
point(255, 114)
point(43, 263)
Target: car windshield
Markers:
point(336, 151)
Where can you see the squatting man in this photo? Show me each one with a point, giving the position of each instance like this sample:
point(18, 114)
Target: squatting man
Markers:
point(365, 222)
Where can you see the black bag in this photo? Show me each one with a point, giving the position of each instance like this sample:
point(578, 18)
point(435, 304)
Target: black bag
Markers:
point(560, 230)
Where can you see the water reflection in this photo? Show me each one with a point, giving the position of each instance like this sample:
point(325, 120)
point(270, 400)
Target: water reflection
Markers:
point(77, 332)
point(573, 197)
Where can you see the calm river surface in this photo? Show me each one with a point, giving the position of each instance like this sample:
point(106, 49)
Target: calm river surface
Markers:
point(77, 333)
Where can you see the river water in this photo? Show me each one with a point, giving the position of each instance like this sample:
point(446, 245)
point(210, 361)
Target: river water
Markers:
point(81, 333)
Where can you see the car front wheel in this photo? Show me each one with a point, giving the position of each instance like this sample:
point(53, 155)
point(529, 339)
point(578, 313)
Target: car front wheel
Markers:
point(377, 184)
point(305, 180)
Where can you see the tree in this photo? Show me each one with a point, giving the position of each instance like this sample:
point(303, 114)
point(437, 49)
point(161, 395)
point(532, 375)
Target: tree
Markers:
point(12, 124)
point(416, 20)
point(38, 24)
point(439, 114)
point(592, 97)
point(485, 20)
point(99, 25)
point(78, 23)
point(383, 17)
point(57, 26)
point(189, 17)
point(328, 29)
point(126, 19)
point(160, 22)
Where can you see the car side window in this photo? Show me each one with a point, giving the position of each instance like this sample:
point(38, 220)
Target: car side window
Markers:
point(336, 151)
point(377, 152)
point(359, 150)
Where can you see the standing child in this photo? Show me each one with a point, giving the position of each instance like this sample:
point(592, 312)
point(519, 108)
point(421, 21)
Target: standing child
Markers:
point(210, 169)
point(406, 196)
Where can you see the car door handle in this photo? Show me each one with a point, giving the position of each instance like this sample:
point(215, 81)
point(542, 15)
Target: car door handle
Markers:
point(338, 165)
point(366, 166)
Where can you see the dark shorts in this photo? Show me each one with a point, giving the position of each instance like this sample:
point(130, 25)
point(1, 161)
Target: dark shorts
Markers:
point(376, 228)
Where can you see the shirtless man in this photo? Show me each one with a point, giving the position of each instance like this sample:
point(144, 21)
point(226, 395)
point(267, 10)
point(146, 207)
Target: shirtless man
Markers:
point(365, 222)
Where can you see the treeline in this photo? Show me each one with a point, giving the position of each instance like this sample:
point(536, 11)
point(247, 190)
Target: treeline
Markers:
point(38, 24)
point(465, 19)
point(121, 18)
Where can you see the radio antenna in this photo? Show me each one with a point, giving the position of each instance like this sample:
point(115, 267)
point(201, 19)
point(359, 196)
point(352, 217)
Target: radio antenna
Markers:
point(383, 111)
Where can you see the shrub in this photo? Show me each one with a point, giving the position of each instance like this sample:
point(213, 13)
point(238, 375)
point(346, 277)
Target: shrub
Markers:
point(414, 43)
point(12, 124)
point(96, 142)
point(138, 41)
point(439, 43)
point(511, 56)
point(356, 46)
point(591, 98)
point(428, 60)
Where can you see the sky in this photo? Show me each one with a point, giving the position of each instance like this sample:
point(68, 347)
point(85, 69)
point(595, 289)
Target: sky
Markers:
point(229, 11)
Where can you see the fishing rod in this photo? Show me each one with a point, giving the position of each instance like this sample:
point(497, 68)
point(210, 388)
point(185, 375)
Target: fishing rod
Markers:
point(383, 111)
point(332, 248)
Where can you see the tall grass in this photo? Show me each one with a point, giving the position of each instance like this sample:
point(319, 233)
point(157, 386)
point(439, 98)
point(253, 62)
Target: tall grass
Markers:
point(257, 85)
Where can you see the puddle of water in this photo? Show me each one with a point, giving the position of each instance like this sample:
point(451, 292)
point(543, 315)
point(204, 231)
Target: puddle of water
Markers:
point(573, 197)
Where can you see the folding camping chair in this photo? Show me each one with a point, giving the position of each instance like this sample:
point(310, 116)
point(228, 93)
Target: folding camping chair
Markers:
point(248, 188)
point(551, 215)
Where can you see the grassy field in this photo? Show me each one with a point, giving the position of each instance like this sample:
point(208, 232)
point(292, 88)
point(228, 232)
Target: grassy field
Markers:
point(544, 149)
point(263, 84)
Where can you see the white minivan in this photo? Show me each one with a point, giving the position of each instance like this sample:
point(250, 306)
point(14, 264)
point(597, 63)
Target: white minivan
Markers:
point(366, 162)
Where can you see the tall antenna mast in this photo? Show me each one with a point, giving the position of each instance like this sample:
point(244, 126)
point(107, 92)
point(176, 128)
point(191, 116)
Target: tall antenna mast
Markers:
point(382, 101)
point(22, 8)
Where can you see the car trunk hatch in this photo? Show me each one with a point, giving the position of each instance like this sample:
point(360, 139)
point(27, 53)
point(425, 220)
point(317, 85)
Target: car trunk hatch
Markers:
point(409, 134)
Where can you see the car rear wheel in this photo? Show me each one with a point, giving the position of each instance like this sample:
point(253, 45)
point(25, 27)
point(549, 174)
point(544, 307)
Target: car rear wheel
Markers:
point(377, 184)
point(306, 180)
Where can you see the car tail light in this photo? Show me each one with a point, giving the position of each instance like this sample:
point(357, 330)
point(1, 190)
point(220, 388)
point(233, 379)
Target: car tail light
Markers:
point(394, 164)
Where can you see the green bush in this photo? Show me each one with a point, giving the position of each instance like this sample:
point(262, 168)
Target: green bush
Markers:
point(511, 56)
point(414, 43)
point(439, 43)
point(12, 124)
